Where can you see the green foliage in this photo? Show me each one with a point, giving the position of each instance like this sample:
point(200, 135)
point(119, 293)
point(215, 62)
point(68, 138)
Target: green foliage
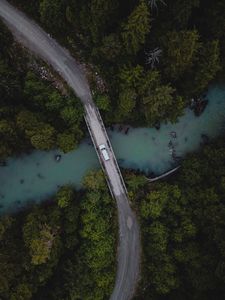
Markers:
point(130, 81)
point(95, 181)
point(70, 115)
point(102, 102)
point(43, 138)
point(181, 10)
point(180, 52)
point(136, 28)
point(131, 77)
point(87, 271)
point(34, 115)
point(7, 130)
point(111, 47)
point(35, 90)
point(39, 237)
point(34, 123)
point(182, 227)
point(52, 14)
point(143, 91)
point(9, 82)
point(208, 65)
point(66, 142)
point(160, 103)
point(135, 182)
point(54, 102)
point(40, 247)
point(69, 243)
point(99, 15)
point(154, 204)
point(6, 39)
point(5, 223)
point(182, 222)
point(126, 103)
point(23, 292)
point(5, 151)
point(64, 196)
point(98, 241)
point(27, 121)
point(116, 36)
point(24, 260)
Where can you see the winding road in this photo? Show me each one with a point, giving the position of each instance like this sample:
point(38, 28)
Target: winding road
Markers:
point(33, 37)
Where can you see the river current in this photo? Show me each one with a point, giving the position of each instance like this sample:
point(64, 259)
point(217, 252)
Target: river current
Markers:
point(35, 177)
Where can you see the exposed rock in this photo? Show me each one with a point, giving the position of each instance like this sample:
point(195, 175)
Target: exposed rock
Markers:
point(198, 105)
point(170, 144)
point(205, 139)
point(157, 125)
point(173, 134)
point(126, 130)
point(58, 157)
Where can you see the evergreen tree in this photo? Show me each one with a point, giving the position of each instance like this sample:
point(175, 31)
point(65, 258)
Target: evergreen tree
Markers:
point(137, 27)
point(180, 52)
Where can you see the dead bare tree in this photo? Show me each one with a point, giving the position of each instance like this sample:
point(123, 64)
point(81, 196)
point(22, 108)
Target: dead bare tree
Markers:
point(153, 57)
point(154, 3)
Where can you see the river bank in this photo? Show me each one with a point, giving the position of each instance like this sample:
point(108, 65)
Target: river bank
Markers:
point(36, 176)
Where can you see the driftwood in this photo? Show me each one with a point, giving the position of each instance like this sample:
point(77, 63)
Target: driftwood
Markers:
point(163, 175)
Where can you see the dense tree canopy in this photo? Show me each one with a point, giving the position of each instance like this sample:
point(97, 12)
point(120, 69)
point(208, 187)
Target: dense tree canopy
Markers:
point(180, 52)
point(69, 242)
point(33, 113)
point(65, 248)
point(136, 28)
point(183, 226)
point(52, 14)
point(116, 35)
point(208, 65)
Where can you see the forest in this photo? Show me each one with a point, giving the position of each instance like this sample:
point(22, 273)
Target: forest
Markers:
point(183, 225)
point(152, 57)
point(65, 247)
point(62, 249)
point(34, 114)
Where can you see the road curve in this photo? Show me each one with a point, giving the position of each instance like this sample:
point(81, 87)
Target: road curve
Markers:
point(33, 37)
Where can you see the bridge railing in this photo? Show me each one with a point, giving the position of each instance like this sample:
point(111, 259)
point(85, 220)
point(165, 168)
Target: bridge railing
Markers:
point(99, 157)
point(111, 149)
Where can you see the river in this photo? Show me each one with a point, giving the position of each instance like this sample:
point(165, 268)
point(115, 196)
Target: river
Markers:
point(35, 177)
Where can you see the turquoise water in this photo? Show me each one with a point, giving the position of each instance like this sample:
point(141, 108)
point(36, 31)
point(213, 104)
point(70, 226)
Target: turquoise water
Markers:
point(147, 148)
point(32, 178)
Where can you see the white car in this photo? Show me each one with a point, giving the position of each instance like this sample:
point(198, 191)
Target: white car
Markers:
point(104, 151)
